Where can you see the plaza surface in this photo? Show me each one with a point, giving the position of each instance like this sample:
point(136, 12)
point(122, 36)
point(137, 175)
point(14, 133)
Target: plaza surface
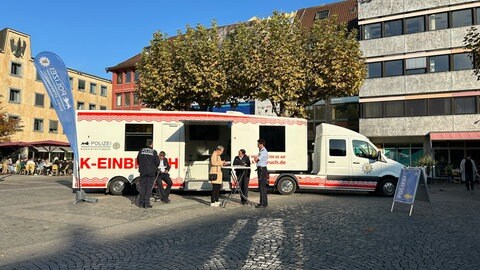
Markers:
point(41, 228)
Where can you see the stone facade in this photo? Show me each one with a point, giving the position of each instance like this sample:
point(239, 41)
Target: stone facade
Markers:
point(15, 49)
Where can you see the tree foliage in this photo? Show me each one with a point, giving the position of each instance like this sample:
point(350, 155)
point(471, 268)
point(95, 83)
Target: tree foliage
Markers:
point(275, 59)
point(8, 126)
point(472, 43)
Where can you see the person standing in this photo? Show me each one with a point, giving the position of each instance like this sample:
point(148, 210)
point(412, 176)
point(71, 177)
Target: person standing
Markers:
point(148, 162)
point(469, 171)
point(216, 164)
point(243, 175)
point(165, 177)
point(262, 172)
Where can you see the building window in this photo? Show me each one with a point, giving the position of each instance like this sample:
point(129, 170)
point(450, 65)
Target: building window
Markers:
point(128, 76)
point(274, 137)
point(71, 82)
point(414, 25)
point(372, 110)
point(462, 61)
point(440, 63)
point(393, 28)
point(92, 107)
point(80, 105)
point(394, 108)
point(394, 68)
point(462, 18)
point(127, 99)
point(53, 126)
point(37, 76)
point(135, 99)
point(103, 91)
point(338, 148)
point(39, 100)
point(81, 85)
point(118, 100)
point(464, 105)
point(322, 14)
point(374, 70)
point(119, 77)
point(373, 30)
point(438, 21)
point(38, 124)
point(416, 65)
point(136, 76)
point(477, 15)
point(14, 96)
point(439, 106)
point(16, 69)
point(103, 108)
point(93, 88)
point(136, 135)
point(417, 107)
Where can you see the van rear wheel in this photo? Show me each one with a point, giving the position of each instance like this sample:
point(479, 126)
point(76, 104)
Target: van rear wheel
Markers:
point(286, 185)
point(117, 186)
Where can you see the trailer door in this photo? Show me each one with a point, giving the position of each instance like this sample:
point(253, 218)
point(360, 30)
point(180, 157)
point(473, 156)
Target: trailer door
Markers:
point(172, 144)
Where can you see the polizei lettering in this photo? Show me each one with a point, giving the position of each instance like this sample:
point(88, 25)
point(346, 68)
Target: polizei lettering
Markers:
point(58, 82)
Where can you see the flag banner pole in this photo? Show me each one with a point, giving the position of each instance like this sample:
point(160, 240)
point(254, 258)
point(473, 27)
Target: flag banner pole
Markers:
point(54, 75)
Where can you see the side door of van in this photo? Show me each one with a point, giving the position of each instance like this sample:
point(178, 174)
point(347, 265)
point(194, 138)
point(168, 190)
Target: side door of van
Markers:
point(365, 165)
point(338, 165)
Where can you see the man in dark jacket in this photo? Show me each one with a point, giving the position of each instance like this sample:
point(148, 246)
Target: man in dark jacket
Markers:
point(148, 162)
point(164, 176)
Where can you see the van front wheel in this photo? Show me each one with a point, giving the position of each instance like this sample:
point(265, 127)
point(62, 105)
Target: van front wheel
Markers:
point(387, 187)
point(286, 185)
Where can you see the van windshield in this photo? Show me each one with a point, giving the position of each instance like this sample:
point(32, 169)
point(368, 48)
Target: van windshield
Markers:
point(364, 149)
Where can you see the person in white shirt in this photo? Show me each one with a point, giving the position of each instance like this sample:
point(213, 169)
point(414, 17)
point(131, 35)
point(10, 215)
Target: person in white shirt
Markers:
point(164, 176)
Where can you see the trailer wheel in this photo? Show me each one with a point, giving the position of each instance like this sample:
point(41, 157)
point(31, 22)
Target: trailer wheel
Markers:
point(387, 187)
point(117, 186)
point(286, 185)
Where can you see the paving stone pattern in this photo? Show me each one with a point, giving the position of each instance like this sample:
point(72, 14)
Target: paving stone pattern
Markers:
point(302, 231)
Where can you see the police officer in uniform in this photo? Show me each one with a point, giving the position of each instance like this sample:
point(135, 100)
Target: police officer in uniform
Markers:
point(262, 172)
point(148, 163)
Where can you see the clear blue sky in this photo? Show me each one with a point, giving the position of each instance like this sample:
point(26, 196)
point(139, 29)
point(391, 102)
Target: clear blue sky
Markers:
point(92, 35)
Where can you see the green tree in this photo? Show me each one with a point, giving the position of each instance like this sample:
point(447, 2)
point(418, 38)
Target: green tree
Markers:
point(157, 85)
point(334, 66)
point(472, 43)
point(175, 73)
point(198, 65)
point(241, 61)
point(8, 126)
point(282, 77)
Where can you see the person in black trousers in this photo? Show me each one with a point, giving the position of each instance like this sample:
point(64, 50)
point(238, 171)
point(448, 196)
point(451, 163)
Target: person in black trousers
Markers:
point(165, 177)
point(262, 172)
point(469, 171)
point(148, 163)
point(243, 176)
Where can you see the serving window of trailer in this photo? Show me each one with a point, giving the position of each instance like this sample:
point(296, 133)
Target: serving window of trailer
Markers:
point(136, 136)
point(274, 137)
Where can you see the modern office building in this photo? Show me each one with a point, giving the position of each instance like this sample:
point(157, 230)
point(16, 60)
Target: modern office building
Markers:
point(23, 95)
point(421, 96)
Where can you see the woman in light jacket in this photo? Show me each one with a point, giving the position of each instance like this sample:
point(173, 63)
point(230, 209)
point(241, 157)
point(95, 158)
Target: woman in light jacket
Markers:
point(216, 164)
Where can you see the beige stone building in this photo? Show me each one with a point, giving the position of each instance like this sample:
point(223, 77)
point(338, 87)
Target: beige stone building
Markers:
point(23, 95)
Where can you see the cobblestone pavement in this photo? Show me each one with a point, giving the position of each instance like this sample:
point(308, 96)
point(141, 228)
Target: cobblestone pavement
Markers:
point(40, 228)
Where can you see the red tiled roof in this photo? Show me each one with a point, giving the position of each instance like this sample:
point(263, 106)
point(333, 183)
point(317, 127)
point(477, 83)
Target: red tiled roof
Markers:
point(127, 64)
point(346, 12)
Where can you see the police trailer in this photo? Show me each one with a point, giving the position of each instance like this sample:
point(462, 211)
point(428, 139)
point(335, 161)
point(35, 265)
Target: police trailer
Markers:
point(342, 160)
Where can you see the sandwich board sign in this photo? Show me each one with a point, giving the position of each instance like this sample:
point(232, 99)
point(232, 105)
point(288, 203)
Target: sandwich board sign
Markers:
point(411, 185)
